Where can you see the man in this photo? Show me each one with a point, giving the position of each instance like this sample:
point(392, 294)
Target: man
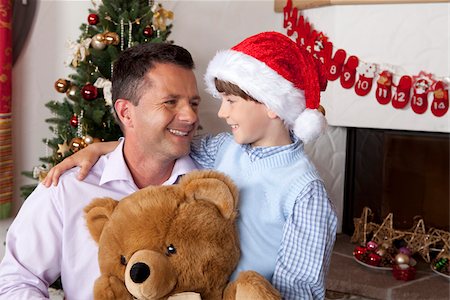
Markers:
point(156, 99)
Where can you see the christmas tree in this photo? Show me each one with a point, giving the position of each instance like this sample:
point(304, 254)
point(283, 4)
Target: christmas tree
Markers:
point(84, 115)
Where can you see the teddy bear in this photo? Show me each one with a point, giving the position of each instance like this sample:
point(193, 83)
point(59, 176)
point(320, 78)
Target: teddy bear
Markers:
point(163, 241)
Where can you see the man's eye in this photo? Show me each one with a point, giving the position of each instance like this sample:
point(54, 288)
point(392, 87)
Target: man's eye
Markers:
point(170, 102)
point(195, 104)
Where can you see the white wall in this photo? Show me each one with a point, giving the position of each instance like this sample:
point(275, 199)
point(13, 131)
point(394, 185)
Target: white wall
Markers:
point(204, 27)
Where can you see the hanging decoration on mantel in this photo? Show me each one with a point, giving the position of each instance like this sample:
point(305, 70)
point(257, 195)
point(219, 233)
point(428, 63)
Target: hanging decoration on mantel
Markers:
point(418, 92)
point(306, 4)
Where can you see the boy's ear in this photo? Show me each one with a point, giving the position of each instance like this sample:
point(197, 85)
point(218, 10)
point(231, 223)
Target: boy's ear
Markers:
point(271, 114)
point(123, 111)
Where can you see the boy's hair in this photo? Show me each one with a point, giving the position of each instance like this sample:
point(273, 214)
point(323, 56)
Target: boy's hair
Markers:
point(129, 70)
point(231, 89)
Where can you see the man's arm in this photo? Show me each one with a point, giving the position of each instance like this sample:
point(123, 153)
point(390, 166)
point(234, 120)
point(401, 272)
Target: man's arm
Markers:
point(306, 246)
point(33, 249)
point(85, 159)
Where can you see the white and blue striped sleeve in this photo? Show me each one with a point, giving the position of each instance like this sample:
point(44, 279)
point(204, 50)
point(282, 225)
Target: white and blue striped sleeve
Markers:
point(204, 149)
point(306, 246)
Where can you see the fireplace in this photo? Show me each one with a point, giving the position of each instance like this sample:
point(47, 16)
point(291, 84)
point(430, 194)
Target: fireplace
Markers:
point(403, 172)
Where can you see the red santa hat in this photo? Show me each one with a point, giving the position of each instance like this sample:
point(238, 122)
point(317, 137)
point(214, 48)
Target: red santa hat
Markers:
point(274, 70)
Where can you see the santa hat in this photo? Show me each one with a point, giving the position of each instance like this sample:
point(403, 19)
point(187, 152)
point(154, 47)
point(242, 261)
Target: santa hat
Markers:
point(274, 70)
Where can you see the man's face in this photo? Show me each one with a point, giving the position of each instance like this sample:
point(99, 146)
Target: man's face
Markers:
point(166, 117)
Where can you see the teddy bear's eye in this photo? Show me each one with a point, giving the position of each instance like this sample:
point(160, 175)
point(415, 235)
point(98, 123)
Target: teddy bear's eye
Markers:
point(123, 260)
point(171, 250)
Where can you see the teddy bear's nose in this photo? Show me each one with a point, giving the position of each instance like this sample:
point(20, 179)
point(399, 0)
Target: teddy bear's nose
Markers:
point(139, 272)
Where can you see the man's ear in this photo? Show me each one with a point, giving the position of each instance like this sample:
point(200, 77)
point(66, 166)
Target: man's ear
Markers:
point(123, 112)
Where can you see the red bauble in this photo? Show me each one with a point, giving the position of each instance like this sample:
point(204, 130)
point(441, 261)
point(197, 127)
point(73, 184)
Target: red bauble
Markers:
point(89, 92)
point(359, 251)
point(93, 19)
point(148, 31)
point(74, 121)
point(374, 259)
point(371, 245)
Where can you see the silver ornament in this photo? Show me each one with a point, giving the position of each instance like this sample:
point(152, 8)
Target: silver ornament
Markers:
point(97, 42)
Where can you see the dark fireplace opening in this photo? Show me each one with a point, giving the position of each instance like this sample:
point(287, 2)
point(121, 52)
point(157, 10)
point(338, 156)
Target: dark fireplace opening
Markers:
point(403, 172)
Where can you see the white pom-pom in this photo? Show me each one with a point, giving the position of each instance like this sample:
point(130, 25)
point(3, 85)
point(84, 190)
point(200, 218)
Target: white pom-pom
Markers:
point(309, 125)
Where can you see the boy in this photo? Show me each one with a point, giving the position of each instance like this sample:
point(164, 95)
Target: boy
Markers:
point(270, 91)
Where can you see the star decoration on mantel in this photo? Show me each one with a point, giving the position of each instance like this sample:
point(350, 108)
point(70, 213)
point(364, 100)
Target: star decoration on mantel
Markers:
point(444, 237)
point(419, 241)
point(63, 148)
point(362, 227)
point(386, 232)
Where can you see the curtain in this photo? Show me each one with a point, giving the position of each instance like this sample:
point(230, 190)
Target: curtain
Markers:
point(6, 163)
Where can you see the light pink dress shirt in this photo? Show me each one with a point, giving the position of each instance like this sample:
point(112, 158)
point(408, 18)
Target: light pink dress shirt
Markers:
point(49, 238)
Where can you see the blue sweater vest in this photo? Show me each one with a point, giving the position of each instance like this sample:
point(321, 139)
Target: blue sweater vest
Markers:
point(268, 189)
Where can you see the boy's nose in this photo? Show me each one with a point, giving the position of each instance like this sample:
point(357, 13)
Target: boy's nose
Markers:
point(222, 111)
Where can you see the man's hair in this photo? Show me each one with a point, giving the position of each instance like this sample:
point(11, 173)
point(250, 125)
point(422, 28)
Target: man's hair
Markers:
point(130, 68)
point(232, 89)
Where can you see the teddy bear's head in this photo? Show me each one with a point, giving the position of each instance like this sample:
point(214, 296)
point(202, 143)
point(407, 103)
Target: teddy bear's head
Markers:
point(164, 240)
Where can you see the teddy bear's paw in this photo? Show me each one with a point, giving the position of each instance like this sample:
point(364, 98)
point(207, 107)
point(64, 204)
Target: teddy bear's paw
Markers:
point(110, 288)
point(251, 285)
point(185, 296)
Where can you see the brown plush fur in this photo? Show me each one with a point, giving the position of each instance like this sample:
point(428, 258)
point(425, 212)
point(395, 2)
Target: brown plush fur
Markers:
point(197, 217)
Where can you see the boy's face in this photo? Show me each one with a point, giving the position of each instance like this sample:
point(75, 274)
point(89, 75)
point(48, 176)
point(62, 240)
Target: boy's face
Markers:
point(249, 120)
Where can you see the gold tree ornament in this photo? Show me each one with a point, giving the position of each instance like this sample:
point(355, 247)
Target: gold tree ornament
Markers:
point(63, 148)
point(62, 85)
point(111, 38)
point(160, 17)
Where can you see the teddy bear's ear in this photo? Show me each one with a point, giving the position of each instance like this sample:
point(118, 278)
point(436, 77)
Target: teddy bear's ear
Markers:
point(97, 214)
point(214, 187)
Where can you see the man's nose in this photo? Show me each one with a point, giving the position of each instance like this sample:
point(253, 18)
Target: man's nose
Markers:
point(187, 114)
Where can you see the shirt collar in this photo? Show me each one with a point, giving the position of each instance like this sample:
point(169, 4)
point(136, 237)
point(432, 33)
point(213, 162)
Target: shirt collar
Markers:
point(115, 166)
point(117, 169)
point(182, 166)
point(256, 153)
